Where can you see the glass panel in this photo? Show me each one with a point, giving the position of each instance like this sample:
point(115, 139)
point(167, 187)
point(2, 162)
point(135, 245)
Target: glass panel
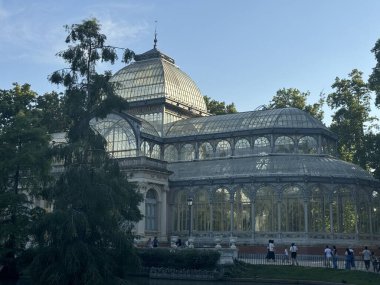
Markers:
point(187, 152)
point(151, 210)
point(319, 212)
point(307, 145)
point(266, 210)
point(375, 211)
point(121, 141)
point(201, 211)
point(180, 213)
point(242, 211)
point(171, 153)
point(242, 147)
point(223, 149)
point(284, 144)
point(206, 151)
point(221, 210)
point(261, 146)
point(156, 152)
point(344, 212)
point(145, 149)
point(292, 210)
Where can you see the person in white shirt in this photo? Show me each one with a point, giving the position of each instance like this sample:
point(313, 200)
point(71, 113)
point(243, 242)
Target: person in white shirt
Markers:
point(366, 257)
point(328, 256)
point(293, 253)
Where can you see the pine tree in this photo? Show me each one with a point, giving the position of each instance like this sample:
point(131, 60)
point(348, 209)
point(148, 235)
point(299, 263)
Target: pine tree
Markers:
point(87, 239)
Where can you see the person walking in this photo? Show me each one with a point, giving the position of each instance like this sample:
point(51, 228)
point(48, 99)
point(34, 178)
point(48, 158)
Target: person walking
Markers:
point(271, 250)
point(328, 256)
point(366, 257)
point(335, 257)
point(286, 256)
point(149, 243)
point(352, 256)
point(348, 255)
point(155, 242)
point(293, 253)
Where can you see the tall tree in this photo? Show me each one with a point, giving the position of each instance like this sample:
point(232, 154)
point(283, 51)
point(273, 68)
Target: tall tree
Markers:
point(24, 165)
point(87, 239)
point(219, 108)
point(292, 97)
point(52, 111)
point(372, 153)
point(374, 79)
point(351, 100)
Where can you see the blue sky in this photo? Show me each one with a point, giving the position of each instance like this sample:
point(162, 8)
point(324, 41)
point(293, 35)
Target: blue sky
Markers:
point(236, 51)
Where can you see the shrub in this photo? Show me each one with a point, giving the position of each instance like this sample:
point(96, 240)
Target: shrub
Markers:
point(179, 259)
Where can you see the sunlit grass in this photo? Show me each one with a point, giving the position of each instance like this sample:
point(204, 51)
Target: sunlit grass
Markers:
point(242, 270)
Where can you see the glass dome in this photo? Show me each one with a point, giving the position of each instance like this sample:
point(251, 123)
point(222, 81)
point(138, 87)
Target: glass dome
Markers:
point(153, 76)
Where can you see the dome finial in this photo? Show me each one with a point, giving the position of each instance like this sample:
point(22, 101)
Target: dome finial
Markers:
point(155, 35)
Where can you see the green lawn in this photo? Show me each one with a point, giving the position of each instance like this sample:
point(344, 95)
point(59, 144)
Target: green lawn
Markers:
point(242, 270)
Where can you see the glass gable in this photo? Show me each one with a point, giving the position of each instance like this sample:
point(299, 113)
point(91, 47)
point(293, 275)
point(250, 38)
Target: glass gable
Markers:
point(121, 141)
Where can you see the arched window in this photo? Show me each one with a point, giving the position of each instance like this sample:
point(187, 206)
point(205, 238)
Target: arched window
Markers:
point(206, 150)
point(328, 147)
point(151, 211)
point(242, 211)
point(118, 133)
point(362, 199)
point(201, 211)
point(344, 211)
point(180, 213)
point(293, 217)
point(319, 211)
point(156, 152)
point(307, 145)
point(284, 144)
point(266, 210)
point(187, 152)
point(171, 153)
point(221, 210)
point(223, 149)
point(145, 149)
point(261, 146)
point(242, 147)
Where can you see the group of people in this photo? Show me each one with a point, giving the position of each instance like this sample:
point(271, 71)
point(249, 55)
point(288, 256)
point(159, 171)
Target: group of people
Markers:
point(331, 256)
point(152, 243)
point(367, 255)
point(293, 253)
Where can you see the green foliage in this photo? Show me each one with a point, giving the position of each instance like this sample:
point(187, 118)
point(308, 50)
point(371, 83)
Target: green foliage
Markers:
point(179, 259)
point(87, 239)
point(351, 99)
point(53, 117)
point(372, 152)
point(292, 97)
point(374, 79)
point(219, 108)
point(24, 164)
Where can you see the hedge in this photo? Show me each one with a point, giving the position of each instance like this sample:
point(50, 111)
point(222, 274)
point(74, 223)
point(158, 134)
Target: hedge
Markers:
point(179, 259)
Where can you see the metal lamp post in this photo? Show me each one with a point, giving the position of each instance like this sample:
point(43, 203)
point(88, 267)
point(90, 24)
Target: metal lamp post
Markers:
point(190, 204)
